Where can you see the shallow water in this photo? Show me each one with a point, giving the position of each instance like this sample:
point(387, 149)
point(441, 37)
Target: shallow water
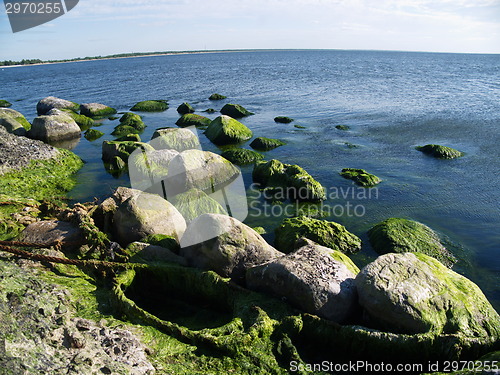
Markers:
point(392, 101)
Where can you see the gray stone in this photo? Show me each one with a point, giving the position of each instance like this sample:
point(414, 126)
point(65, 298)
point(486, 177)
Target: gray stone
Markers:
point(52, 232)
point(51, 102)
point(96, 110)
point(56, 127)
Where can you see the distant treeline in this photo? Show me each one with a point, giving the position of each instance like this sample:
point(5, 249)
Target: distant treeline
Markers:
point(22, 62)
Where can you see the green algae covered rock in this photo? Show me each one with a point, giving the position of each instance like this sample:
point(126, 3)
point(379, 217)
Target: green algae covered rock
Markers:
point(123, 130)
point(414, 293)
point(226, 130)
point(194, 203)
point(266, 144)
point(283, 119)
point(342, 127)
point(325, 233)
point(167, 242)
point(93, 134)
point(396, 235)
point(440, 152)
point(54, 127)
point(240, 156)
point(140, 252)
point(175, 139)
point(13, 121)
point(150, 106)
point(185, 108)
point(216, 97)
point(130, 137)
point(4, 103)
point(51, 102)
point(96, 110)
point(360, 177)
point(133, 120)
point(235, 111)
point(83, 121)
point(117, 164)
point(123, 149)
point(190, 119)
point(270, 173)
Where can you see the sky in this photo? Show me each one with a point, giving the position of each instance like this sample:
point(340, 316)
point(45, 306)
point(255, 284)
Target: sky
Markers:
point(102, 27)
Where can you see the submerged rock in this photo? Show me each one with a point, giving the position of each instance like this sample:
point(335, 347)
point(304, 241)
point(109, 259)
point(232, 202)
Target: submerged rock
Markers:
point(123, 130)
point(226, 130)
point(360, 177)
point(14, 122)
point(123, 149)
point(185, 108)
point(266, 144)
point(414, 293)
point(190, 119)
point(217, 97)
point(150, 106)
point(342, 127)
point(240, 156)
point(144, 214)
point(397, 235)
point(235, 111)
point(175, 139)
point(96, 110)
point(93, 134)
point(283, 119)
point(4, 103)
point(133, 120)
point(323, 232)
point(56, 127)
point(440, 152)
point(225, 245)
point(311, 279)
point(51, 102)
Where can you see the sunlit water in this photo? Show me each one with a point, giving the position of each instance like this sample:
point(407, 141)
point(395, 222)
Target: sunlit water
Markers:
point(392, 101)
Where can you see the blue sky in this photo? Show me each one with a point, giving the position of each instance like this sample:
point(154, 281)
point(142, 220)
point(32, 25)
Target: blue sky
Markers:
point(100, 27)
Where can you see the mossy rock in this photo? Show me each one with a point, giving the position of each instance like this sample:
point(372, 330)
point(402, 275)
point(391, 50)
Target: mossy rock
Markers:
point(342, 127)
point(190, 119)
point(185, 108)
point(270, 173)
point(13, 121)
point(396, 235)
point(130, 137)
point(283, 119)
point(150, 106)
point(226, 130)
point(123, 149)
point(194, 203)
point(266, 144)
point(96, 110)
point(210, 110)
point(133, 120)
point(175, 139)
point(260, 230)
point(124, 130)
point(440, 152)
point(82, 121)
point(47, 104)
point(162, 240)
point(299, 126)
point(235, 111)
point(325, 233)
point(360, 177)
point(240, 156)
point(5, 103)
point(93, 134)
point(117, 164)
point(216, 96)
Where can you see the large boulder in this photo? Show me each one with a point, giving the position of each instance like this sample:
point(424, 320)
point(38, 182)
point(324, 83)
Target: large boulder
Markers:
point(266, 144)
point(191, 119)
point(226, 130)
point(13, 121)
point(194, 203)
point(323, 232)
point(58, 126)
point(150, 106)
point(440, 152)
point(310, 279)
point(235, 111)
point(51, 102)
point(148, 169)
point(360, 177)
point(51, 233)
point(225, 245)
point(396, 235)
point(144, 214)
point(414, 293)
point(96, 110)
point(175, 139)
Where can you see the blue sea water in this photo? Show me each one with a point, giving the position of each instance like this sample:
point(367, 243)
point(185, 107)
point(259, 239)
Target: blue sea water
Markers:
point(392, 102)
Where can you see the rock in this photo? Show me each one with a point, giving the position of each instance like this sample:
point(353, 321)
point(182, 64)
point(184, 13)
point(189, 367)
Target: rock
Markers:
point(103, 215)
point(14, 122)
point(216, 97)
point(360, 177)
point(96, 110)
point(51, 102)
point(83, 122)
point(150, 106)
point(210, 110)
point(129, 137)
point(342, 127)
point(175, 139)
point(133, 120)
point(123, 149)
point(266, 144)
point(144, 214)
point(185, 108)
point(93, 134)
point(414, 293)
point(289, 181)
point(4, 103)
point(123, 130)
point(167, 242)
point(310, 279)
point(283, 119)
point(194, 203)
point(397, 235)
point(323, 232)
point(226, 130)
point(225, 245)
point(299, 126)
point(240, 156)
point(148, 169)
point(51, 232)
point(191, 119)
point(56, 127)
point(440, 152)
point(235, 111)
point(117, 164)
point(140, 251)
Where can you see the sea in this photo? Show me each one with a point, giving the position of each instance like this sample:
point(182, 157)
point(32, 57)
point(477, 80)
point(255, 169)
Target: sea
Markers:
point(391, 102)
